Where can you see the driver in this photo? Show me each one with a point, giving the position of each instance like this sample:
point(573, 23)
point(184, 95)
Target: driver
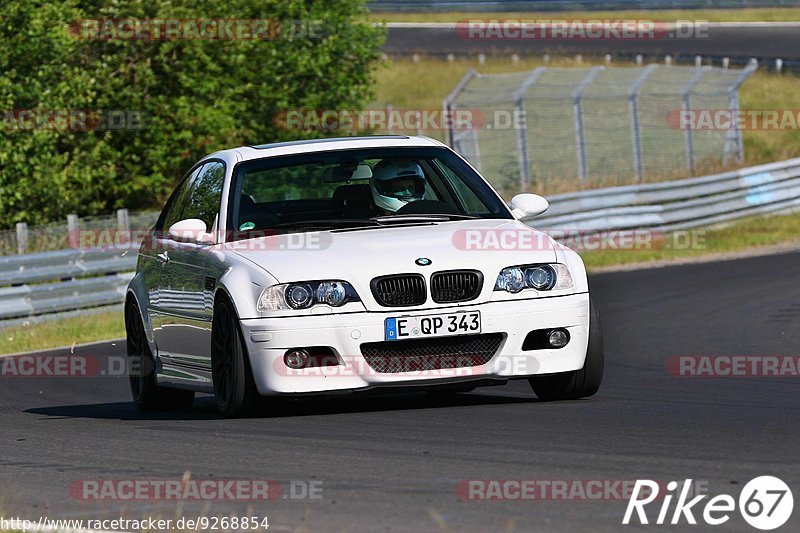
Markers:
point(394, 183)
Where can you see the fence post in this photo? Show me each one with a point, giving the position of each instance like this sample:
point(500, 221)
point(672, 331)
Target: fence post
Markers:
point(447, 106)
point(733, 136)
point(636, 135)
point(123, 227)
point(577, 111)
point(73, 230)
point(521, 124)
point(22, 238)
point(389, 125)
point(685, 104)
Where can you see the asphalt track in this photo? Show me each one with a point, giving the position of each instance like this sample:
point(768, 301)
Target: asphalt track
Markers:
point(391, 463)
point(737, 41)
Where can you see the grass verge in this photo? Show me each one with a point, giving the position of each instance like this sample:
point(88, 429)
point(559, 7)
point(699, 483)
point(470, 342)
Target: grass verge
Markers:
point(748, 233)
point(778, 14)
point(80, 329)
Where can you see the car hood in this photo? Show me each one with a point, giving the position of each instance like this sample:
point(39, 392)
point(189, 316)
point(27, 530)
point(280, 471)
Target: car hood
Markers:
point(358, 256)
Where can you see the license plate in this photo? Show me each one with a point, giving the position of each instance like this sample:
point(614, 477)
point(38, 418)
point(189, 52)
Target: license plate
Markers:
point(415, 327)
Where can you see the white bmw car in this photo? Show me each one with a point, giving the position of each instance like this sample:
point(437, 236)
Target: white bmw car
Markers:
point(347, 265)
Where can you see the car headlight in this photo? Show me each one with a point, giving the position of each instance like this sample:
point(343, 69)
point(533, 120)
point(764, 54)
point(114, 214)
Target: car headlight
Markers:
point(546, 277)
point(332, 293)
point(511, 280)
point(541, 278)
point(304, 295)
point(299, 296)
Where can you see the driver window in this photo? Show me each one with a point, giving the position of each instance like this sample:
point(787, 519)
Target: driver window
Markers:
point(174, 208)
point(205, 194)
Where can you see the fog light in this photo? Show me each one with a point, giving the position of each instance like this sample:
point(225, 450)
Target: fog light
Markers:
point(296, 359)
point(558, 338)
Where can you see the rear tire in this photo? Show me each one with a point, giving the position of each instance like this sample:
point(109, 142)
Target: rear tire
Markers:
point(577, 383)
point(147, 395)
point(234, 387)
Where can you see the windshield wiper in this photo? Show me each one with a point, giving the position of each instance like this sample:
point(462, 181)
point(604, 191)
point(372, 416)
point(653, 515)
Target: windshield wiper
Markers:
point(332, 223)
point(422, 218)
point(374, 222)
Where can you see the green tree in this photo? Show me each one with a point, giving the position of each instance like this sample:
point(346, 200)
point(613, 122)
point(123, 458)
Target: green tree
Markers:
point(195, 96)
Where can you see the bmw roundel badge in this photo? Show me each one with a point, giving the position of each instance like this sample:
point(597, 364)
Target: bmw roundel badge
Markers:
point(423, 261)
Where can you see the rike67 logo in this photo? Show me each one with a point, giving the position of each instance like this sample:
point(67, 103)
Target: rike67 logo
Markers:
point(765, 503)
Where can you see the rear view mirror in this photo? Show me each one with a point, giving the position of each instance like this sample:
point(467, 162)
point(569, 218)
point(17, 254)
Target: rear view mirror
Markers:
point(344, 173)
point(190, 230)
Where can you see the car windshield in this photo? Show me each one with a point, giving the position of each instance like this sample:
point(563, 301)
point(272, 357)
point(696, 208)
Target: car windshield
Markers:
point(348, 189)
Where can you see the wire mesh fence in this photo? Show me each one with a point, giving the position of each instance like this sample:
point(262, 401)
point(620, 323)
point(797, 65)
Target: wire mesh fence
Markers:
point(562, 129)
point(75, 232)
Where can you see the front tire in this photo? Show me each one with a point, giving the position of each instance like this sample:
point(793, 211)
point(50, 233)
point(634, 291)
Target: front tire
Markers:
point(234, 387)
point(577, 383)
point(147, 395)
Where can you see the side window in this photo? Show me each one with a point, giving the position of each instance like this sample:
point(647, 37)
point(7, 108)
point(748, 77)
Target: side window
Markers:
point(205, 194)
point(172, 211)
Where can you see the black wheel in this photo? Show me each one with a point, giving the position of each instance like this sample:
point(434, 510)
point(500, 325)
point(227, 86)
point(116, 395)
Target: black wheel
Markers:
point(578, 383)
point(147, 395)
point(234, 387)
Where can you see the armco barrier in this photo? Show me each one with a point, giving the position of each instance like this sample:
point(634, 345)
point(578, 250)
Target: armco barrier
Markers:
point(477, 6)
point(37, 286)
point(677, 204)
point(63, 264)
point(34, 285)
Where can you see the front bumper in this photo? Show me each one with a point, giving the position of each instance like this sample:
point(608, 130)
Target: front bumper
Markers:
point(268, 339)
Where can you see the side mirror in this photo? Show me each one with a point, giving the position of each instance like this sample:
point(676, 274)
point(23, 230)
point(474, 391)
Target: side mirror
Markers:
point(191, 230)
point(528, 205)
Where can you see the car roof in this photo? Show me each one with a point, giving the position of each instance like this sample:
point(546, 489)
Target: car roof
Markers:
point(246, 153)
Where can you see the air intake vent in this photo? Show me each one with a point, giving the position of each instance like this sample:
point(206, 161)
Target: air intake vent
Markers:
point(399, 290)
point(456, 286)
point(414, 355)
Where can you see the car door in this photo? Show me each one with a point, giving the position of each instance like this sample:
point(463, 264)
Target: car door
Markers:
point(155, 253)
point(187, 282)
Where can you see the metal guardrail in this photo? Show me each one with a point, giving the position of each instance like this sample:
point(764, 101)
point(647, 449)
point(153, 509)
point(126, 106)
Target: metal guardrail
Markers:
point(78, 267)
point(64, 264)
point(476, 6)
point(35, 287)
point(64, 295)
point(85, 279)
point(677, 204)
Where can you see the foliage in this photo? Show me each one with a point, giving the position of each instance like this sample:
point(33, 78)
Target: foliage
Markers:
point(194, 96)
